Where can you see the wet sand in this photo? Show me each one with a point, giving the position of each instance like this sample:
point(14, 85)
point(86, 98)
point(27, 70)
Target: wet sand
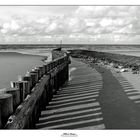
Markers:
point(119, 112)
point(133, 79)
point(119, 98)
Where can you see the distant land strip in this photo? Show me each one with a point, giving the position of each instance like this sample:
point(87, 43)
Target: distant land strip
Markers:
point(85, 46)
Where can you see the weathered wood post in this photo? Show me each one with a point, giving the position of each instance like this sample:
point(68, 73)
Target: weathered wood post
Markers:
point(45, 68)
point(66, 71)
point(36, 71)
point(6, 104)
point(49, 67)
point(48, 86)
point(21, 86)
point(56, 76)
point(27, 77)
point(41, 70)
point(52, 74)
point(61, 78)
point(16, 96)
point(27, 88)
point(67, 67)
point(34, 78)
point(51, 80)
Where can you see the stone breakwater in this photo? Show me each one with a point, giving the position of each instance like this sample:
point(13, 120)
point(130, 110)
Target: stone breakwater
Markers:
point(119, 62)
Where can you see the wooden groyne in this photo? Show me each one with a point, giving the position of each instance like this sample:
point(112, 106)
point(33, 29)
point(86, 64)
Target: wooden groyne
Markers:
point(76, 105)
point(21, 105)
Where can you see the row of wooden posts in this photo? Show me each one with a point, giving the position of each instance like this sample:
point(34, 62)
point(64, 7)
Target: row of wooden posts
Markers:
point(21, 105)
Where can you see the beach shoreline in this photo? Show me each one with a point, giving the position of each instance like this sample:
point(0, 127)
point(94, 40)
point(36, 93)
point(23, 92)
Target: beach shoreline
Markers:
point(128, 80)
point(127, 74)
point(118, 98)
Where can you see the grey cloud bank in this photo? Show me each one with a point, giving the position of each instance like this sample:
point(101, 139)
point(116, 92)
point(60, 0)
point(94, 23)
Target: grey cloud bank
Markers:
point(72, 24)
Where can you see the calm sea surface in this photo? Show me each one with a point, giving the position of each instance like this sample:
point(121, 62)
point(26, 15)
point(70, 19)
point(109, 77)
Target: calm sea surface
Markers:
point(13, 64)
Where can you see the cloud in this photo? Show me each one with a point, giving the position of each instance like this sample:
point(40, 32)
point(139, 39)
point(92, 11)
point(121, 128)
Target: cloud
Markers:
point(106, 22)
point(8, 26)
point(72, 24)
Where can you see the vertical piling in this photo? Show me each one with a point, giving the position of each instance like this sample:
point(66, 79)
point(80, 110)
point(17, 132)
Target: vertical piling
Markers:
point(16, 96)
point(21, 86)
point(29, 80)
point(6, 104)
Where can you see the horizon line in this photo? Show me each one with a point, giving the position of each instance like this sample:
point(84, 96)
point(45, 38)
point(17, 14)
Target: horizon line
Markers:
point(64, 44)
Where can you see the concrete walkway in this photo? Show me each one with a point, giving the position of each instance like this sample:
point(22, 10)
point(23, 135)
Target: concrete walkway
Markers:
point(92, 99)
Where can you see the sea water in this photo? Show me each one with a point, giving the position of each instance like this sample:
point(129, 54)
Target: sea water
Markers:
point(13, 64)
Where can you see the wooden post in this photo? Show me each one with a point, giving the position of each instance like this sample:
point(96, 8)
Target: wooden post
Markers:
point(36, 72)
point(46, 68)
point(49, 67)
point(26, 85)
point(28, 78)
point(21, 86)
point(41, 71)
point(58, 80)
point(34, 78)
point(55, 80)
point(61, 77)
point(16, 96)
point(67, 71)
point(52, 65)
point(6, 103)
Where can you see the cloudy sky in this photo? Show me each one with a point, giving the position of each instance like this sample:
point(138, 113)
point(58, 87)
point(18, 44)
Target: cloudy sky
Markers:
point(72, 24)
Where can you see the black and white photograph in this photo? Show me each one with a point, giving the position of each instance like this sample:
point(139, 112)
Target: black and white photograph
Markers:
point(70, 67)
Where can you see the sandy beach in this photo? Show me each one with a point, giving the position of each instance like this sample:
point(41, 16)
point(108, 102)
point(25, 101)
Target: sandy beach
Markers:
point(119, 96)
point(131, 85)
point(132, 79)
point(130, 82)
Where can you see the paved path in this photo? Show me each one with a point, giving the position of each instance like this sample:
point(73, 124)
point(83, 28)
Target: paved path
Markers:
point(92, 99)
